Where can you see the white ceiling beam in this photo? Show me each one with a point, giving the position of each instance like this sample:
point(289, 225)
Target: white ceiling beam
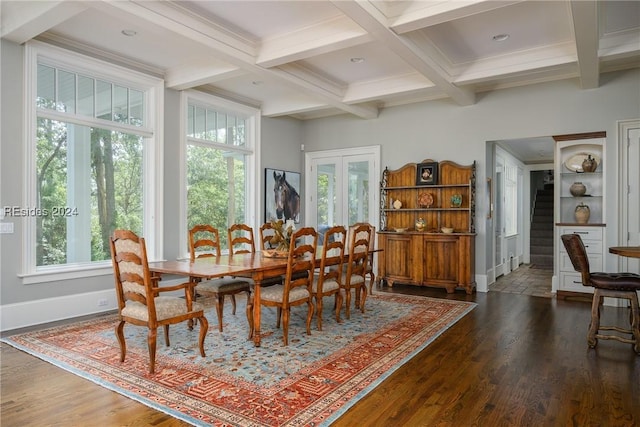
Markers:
point(427, 14)
point(587, 36)
point(204, 70)
point(329, 36)
point(392, 86)
point(530, 60)
point(28, 19)
point(104, 55)
point(289, 108)
point(325, 90)
point(626, 44)
point(234, 51)
point(370, 18)
point(174, 17)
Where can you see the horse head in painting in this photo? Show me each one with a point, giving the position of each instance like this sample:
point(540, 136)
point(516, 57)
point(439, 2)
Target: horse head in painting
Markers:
point(287, 199)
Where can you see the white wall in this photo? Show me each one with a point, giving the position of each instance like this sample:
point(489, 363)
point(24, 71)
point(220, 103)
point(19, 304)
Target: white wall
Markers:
point(441, 130)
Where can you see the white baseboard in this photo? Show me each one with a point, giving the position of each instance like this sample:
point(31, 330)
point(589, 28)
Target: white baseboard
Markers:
point(481, 283)
point(37, 312)
point(30, 313)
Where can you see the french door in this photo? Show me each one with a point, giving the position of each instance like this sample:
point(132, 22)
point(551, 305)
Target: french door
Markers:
point(629, 143)
point(342, 186)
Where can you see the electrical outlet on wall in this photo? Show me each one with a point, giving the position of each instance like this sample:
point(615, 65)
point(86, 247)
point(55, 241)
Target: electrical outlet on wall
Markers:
point(103, 303)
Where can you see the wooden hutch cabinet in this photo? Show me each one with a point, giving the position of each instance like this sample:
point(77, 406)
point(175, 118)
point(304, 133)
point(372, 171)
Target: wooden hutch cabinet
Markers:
point(412, 216)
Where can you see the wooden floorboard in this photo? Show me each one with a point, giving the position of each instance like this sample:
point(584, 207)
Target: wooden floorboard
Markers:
point(515, 360)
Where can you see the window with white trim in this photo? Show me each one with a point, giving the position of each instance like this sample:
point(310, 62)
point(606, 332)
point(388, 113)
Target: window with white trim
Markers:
point(220, 179)
point(92, 163)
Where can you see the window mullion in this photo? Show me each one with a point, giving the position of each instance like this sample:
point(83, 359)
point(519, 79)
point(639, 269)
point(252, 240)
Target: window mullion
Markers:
point(95, 122)
point(218, 145)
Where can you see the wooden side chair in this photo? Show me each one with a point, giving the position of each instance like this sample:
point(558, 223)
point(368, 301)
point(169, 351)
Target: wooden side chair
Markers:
point(329, 276)
point(266, 234)
point(139, 298)
point(372, 244)
point(204, 241)
point(614, 285)
point(241, 239)
point(356, 270)
point(297, 287)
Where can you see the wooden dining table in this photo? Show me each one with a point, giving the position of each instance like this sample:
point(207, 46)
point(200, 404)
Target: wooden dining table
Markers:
point(256, 266)
point(628, 251)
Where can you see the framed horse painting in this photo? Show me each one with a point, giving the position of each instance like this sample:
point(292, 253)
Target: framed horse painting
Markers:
point(281, 195)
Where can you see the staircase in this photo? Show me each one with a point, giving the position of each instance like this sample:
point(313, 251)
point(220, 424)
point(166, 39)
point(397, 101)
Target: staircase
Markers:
point(541, 241)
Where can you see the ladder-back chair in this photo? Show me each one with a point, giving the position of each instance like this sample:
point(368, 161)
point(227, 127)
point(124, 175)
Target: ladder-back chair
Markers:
point(140, 300)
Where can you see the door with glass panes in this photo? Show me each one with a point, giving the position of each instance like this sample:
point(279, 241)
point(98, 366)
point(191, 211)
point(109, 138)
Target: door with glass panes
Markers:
point(342, 187)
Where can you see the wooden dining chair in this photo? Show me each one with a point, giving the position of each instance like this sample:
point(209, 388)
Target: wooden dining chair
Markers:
point(613, 285)
point(241, 239)
point(204, 241)
point(266, 235)
point(354, 278)
point(372, 243)
point(329, 276)
point(140, 300)
point(297, 287)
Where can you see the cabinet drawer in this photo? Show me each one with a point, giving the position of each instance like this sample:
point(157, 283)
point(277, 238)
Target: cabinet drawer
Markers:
point(586, 233)
point(591, 246)
point(573, 283)
point(595, 262)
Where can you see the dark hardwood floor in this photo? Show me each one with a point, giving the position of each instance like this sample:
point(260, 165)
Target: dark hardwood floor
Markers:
point(516, 360)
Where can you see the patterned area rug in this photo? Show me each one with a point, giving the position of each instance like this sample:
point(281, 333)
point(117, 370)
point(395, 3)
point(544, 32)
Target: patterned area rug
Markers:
point(312, 381)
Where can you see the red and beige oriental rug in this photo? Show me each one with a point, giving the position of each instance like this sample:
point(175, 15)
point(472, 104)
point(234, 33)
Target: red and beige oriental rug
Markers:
point(313, 381)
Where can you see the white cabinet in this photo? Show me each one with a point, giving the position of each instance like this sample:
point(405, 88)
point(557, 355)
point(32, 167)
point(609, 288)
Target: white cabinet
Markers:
point(569, 278)
point(579, 191)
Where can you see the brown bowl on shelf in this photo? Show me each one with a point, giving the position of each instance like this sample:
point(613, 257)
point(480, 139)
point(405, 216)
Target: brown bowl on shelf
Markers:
point(447, 230)
point(400, 230)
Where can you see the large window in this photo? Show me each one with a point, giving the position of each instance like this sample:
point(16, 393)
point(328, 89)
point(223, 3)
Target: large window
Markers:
point(219, 163)
point(93, 164)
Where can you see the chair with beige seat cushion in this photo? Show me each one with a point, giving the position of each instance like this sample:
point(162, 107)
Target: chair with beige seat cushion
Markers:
point(139, 298)
point(614, 285)
point(204, 242)
point(328, 278)
point(297, 287)
point(354, 277)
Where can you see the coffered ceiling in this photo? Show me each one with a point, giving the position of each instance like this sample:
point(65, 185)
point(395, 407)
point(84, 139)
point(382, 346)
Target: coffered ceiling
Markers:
point(309, 59)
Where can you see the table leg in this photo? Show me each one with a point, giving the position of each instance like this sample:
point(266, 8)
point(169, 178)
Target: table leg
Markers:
point(256, 313)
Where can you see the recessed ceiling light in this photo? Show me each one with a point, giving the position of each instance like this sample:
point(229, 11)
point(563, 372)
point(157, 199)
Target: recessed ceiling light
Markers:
point(500, 37)
point(357, 60)
point(129, 33)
